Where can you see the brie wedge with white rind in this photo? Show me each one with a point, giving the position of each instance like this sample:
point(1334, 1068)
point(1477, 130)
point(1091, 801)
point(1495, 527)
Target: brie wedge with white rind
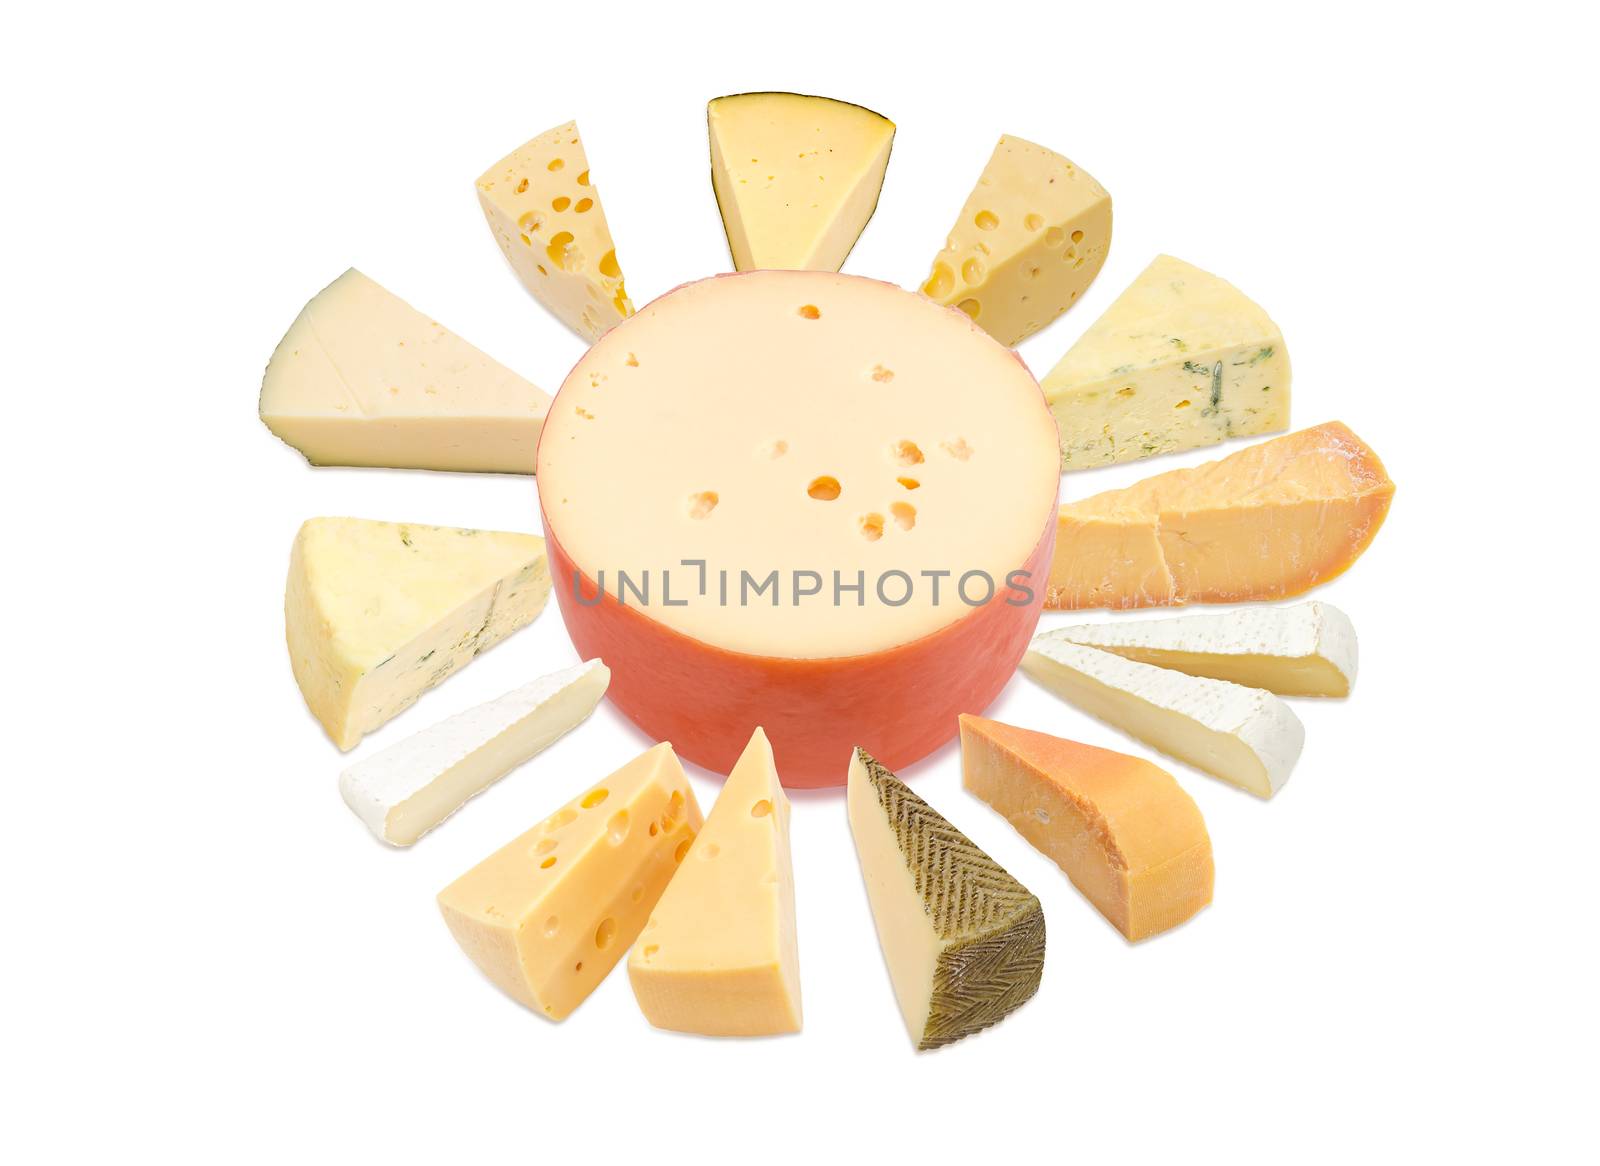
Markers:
point(406, 790)
point(1307, 649)
point(1245, 736)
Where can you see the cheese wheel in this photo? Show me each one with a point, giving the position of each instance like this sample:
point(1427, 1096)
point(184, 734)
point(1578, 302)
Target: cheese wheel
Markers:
point(801, 500)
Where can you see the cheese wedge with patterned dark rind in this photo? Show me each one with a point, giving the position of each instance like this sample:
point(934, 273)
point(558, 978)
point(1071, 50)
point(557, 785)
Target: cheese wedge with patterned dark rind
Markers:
point(963, 939)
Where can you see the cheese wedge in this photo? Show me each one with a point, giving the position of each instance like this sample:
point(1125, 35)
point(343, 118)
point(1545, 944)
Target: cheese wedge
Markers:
point(964, 941)
point(781, 486)
point(1245, 736)
point(548, 915)
point(1031, 238)
point(364, 379)
point(719, 955)
point(796, 177)
point(377, 613)
point(546, 215)
point(1307, 649)
point(1181, 360)
point(1269, 522)
point(1121, 828)
point(407, 789)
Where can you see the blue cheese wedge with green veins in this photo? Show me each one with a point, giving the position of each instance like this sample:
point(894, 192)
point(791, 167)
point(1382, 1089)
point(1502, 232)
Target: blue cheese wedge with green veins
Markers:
point(406, 790)
point(377, 613)
point(1181, 360)
point(1305, 649)
point(1245, 736)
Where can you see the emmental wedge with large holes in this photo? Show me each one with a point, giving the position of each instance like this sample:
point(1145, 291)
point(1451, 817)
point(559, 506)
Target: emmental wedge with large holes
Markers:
point(715, 465)
point(547, 915)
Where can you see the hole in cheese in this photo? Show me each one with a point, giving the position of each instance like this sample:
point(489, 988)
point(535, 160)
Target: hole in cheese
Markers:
point(909, 483)
point(1033, 222)
point(617, 828)
point(556, 164)
point(986, 220)
point(605, 933)
point(761, 809)
point(810, 312)
point(970, 307)
point(583, 206)
point(683, 849)
point(703, 503)
point(824, 489)
point(871, 526)
point(905, 515)
point(594, 797)
point(907, 453)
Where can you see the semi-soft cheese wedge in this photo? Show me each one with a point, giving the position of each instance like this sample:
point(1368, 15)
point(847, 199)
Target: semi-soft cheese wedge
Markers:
point(548, 915)
point(1245, 736)
point(377, 613)
point(719, 956)
point(545, 213)
point(796, 177)
point(1033, 235)
point(963, 940)
point(785, 505)
point(1269, 522)
point(364, 379)
point(1182, 359)
point(407, 789)
point(1306, 649)
point(1122, 829)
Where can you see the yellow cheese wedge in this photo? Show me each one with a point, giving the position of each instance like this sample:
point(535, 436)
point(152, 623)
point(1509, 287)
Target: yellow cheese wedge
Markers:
point(545, 213)
point(719, 955)
point(964, 941)
point(547, 915)
point(1268, 522)
point(1181, 360)
point(1033, 235)
point(364, 379)
point(1123, 830)
point(377, 613)
point(796, 177)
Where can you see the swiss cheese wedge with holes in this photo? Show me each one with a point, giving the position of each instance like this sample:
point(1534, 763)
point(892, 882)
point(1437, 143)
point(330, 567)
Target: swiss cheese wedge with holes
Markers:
point(780, 498)
point(1269, 522)
point(1122, 829)
point(545, 213)
point(1031, 238)
point(547, 915)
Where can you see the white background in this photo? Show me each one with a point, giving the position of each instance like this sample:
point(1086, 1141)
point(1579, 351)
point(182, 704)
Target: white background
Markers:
point(209, 957)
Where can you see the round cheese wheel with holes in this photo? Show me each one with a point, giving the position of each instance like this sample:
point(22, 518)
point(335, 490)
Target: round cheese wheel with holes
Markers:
point(801, 500)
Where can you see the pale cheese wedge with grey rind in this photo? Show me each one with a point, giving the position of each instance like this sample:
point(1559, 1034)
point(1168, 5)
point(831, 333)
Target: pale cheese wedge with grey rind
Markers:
point(407, 789)
point(377, 613)
point(364, 379)
point(1181, 360)
point(1245, 736)
point(964, 940)
point(1307, 649)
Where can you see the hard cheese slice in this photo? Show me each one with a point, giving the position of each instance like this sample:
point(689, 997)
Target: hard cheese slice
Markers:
point(796, 177)
point(796, 506)
point(1121, 828)
point(1033, 235)
point(1182, 359)
point(719, 956)
point(550, 913)
point(409, 788)
point(545, 213)
point(1268, 522)
point(364, 379)
point(377, 613)
point(964, 940)
point(1306, 649)
point(1245, 736)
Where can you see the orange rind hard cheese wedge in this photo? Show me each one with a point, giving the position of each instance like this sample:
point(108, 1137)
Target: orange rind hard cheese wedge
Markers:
point(1268, 522)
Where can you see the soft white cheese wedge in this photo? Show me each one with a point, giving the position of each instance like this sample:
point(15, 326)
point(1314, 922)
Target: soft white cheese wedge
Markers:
point(407, 789)
point(1245, 736)
point(1307, 649)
